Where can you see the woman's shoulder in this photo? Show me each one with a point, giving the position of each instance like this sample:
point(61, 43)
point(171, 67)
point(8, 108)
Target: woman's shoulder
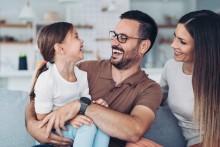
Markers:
point(173, 64)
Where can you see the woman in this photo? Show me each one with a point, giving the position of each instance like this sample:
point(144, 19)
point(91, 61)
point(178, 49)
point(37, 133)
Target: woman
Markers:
point(191, 81)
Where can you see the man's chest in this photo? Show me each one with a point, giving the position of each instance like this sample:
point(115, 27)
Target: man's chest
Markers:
point(121, 98)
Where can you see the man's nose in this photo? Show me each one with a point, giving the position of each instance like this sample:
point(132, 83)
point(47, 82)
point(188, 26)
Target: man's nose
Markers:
point(115, 41)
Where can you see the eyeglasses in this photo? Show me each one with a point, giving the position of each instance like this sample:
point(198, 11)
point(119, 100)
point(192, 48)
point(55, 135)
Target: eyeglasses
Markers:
point(122, 38)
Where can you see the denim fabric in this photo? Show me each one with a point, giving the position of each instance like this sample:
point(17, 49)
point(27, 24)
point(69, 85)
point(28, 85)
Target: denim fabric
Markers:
point(87, 136)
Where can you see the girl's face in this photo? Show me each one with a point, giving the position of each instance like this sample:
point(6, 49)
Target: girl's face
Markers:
point(72, 45)
point(183, 45)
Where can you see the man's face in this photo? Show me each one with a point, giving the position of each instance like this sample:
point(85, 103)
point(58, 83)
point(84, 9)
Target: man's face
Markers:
point(125, 55)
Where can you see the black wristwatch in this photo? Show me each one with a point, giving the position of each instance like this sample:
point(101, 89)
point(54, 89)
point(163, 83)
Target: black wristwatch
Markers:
point(85, 102)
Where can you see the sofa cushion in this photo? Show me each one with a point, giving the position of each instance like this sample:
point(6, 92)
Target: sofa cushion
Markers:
point(12, 116)
point(165, 130)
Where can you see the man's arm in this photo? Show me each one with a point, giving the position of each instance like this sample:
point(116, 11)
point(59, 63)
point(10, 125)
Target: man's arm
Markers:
point(126, 127)
point(32, 126)
point(116, 124)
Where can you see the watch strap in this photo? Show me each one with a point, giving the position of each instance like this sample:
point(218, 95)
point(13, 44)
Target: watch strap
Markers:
point(85, 102)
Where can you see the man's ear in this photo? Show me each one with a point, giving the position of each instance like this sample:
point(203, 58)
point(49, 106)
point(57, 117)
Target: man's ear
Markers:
point(145, 45)
point(59, 49)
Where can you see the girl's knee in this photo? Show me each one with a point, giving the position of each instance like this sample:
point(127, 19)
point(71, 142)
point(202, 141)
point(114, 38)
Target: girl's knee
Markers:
point(91, 128)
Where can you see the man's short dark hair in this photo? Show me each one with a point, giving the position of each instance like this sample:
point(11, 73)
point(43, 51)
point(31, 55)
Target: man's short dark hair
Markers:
point(148, 27)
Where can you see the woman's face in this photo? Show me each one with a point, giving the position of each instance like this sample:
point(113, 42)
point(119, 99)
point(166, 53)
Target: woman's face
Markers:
point(183, 45)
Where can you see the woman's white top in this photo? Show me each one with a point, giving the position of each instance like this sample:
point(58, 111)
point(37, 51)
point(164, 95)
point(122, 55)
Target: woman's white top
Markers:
point(178, 92)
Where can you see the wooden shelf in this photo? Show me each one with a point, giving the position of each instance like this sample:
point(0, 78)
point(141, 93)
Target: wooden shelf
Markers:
point(88, 51)
point(166, 26)
point(15, 42)
point(83, 26)
point(6, 25)
point(103, 39)
point(165, 40)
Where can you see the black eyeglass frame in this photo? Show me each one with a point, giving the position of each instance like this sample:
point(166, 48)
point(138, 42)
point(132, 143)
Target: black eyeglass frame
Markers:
point(123, 37)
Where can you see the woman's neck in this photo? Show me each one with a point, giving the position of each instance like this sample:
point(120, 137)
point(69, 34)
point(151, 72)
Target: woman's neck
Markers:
point(188, 68)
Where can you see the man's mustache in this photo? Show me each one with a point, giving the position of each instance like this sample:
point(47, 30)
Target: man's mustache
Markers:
point(117, 48)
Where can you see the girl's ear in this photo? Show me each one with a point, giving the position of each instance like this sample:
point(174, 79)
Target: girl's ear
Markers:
point(145, 45)
point(59, 49)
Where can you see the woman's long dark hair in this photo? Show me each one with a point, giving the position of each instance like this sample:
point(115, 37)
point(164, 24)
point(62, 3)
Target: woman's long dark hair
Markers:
point(204, 27)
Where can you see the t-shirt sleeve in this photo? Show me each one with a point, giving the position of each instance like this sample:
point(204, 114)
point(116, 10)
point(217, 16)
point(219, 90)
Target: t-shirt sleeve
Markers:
point(151, 97)
point(85, 92)
point(164, 86)
point(44, 94)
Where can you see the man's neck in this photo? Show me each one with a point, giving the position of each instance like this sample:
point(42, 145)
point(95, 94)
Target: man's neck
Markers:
point(119, 75)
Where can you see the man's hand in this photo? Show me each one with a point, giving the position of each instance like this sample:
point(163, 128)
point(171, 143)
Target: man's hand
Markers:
point(59, 117)
point(39, 135)
point(101, 102)
point(80, 120)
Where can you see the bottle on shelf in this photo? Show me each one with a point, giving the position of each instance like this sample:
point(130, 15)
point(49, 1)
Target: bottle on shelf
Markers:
point(22, 62)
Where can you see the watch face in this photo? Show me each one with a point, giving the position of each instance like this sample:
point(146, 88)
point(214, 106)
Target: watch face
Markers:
point(85, 100)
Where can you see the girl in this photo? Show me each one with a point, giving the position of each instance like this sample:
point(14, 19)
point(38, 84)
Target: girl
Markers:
point(63, 82)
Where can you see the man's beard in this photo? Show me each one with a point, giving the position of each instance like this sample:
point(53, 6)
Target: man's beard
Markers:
point(125, 63)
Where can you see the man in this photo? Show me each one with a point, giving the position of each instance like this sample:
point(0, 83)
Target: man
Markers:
point(132, 97)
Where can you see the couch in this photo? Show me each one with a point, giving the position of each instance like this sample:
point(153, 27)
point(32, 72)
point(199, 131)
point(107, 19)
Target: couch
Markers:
point(13, 131)
point(12, 119)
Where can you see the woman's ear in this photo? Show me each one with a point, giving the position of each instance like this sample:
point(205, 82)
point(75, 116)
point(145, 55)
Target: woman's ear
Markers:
point(59, 49)
point(145, 45)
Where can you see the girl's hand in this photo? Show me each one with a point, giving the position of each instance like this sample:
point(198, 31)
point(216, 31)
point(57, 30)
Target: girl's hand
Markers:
point(101, 102)
point(80, 120)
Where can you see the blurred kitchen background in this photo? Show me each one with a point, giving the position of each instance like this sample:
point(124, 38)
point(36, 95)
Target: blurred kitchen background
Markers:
point(20, 21)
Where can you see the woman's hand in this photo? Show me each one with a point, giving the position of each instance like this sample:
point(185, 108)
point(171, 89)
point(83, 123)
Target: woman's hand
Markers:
point(80, 120)
point(101, 102)
point(59, 117)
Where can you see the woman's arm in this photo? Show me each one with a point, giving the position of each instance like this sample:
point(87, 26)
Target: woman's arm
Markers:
point(32, 125)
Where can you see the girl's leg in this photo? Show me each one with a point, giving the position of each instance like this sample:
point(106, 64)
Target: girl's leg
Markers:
point(85, 136)
point(70, 133)
point(101, 139)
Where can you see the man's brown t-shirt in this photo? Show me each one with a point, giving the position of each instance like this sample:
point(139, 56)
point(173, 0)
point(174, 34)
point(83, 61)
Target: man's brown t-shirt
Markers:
point(137, 89)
